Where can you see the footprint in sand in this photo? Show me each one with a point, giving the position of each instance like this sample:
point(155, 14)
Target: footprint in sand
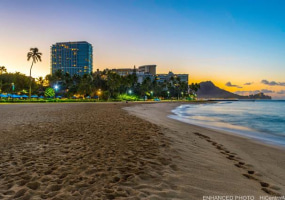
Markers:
point(250, 177)
point(275, 187)
point(239, 166)
point(33, 185)
point(202, 136)
point(232, 156)
point(268, 191)
point(263, 184)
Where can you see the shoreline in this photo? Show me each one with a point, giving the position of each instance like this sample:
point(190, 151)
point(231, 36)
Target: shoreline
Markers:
point(259, 165)
point(270, 139)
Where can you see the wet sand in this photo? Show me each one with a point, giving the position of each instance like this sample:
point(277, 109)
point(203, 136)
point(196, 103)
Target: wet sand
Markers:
point(99, 151)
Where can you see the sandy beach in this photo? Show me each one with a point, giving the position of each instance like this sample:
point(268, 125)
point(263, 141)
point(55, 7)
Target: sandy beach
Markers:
point(215, 163)
point(79, 151)
point(127, 151)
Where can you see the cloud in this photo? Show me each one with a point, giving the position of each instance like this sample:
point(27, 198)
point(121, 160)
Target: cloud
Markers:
point(248, 83)
point(229, 84)
point(281, 92)
point(272, 83)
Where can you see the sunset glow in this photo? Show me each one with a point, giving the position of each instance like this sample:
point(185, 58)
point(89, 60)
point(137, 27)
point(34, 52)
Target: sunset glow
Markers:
point(241, 42)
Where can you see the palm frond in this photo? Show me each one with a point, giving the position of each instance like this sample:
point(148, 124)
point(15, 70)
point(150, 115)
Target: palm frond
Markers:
point(38, 56)
point(34, 54)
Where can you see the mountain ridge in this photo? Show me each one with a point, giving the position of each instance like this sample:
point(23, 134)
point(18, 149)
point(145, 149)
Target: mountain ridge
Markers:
point(209, 90)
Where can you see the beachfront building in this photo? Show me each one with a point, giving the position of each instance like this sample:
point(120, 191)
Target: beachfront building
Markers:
point(72, 57)
point(167, 77)
point(145, 69)
point(142, 72)
point(124, 71)
point(149, 71)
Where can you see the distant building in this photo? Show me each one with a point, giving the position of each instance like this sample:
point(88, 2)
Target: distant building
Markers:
point(148, 69)
point(166, 77)
point(124, 71)
point(72, 57)
point(142, 76)
point(142, 72)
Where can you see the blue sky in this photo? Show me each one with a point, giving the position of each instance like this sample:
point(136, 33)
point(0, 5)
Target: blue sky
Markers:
point(233, 41)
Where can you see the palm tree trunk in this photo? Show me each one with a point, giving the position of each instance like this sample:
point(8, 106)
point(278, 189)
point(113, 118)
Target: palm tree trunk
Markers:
point(30, 90)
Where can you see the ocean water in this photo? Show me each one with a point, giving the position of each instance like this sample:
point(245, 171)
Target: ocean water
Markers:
point(261, 120)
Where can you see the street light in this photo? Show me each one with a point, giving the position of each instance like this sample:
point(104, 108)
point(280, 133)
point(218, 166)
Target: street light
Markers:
point(130, 91)
point(56, 87)
point(168, 94)
point(99, 93)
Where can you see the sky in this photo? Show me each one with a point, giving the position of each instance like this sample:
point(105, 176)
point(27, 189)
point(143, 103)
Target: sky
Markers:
point(239, 45)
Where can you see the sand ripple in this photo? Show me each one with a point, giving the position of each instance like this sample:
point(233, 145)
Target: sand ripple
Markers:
point(86, 151)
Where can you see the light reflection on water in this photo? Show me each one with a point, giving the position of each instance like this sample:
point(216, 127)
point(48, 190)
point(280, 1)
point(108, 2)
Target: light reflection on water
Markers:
point(264, 120)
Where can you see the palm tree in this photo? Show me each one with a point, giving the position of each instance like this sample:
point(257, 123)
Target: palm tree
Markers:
point(86, 86)
point(194, 87)
point(41, 81)
point(36, 56)
point(113, 82)
point(2, 69)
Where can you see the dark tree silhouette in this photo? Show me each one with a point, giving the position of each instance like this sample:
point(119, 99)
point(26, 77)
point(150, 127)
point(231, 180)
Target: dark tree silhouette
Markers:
point(2, 69)
point(36, 56)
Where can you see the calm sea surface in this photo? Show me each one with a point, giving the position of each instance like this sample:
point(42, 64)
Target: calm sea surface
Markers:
point(262, 120)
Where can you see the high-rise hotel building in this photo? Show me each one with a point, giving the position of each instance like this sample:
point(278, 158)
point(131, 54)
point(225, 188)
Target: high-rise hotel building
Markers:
point(72, 57)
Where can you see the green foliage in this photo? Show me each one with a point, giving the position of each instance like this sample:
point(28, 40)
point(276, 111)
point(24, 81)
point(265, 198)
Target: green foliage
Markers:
point(128, 97)
point(86, 87)
point(49, 92)
point(105, 95)
point(111, 86)
point(21, 82)
point(194, 87)
point(113, 82)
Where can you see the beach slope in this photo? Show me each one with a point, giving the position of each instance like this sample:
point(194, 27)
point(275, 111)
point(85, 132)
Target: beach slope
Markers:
point(215, 163)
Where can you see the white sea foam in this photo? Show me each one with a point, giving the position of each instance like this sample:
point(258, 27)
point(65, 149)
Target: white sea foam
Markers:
point(262, 120)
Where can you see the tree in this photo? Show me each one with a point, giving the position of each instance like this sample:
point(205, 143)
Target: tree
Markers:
point(194, 87)
point(113, 82)
point(40, 82)
point(36, 56)
point(146, 86)
point(2, 69)
point(20, 81)
point(86, 87)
